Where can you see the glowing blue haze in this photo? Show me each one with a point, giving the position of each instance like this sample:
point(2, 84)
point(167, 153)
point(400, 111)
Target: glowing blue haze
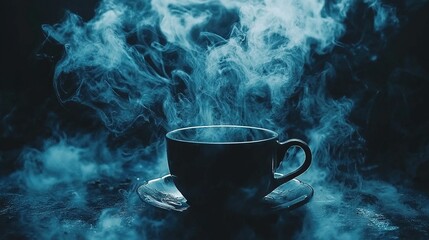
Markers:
point(118, 62)
point(180, 63)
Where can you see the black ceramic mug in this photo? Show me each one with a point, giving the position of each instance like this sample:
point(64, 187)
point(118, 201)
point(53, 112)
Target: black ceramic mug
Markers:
point(228, 166)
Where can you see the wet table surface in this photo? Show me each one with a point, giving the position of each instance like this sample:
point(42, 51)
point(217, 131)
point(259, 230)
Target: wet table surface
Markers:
point(106, 209)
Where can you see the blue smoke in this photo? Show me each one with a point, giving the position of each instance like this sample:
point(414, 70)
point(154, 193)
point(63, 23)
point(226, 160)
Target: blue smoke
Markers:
point(203, 62)
point(169, 64)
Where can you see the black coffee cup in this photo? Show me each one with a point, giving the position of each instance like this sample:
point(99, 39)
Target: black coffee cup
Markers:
point(228, 166)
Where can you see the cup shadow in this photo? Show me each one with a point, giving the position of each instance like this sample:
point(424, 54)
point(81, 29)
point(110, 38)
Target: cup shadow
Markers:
point(210, 223)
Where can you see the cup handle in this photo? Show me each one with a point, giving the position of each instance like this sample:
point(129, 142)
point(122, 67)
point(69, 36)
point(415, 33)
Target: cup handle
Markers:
point(281, 151)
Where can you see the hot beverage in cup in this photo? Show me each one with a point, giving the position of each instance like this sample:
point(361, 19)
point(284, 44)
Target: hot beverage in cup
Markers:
point(228, 166)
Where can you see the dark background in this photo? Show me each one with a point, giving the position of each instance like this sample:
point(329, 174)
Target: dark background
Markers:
point(391, 92)
point(28, 103)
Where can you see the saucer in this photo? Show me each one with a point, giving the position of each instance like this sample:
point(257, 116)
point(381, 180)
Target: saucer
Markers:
point(162, 193)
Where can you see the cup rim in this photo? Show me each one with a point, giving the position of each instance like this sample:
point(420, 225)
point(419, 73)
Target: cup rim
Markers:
point(170, 133)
